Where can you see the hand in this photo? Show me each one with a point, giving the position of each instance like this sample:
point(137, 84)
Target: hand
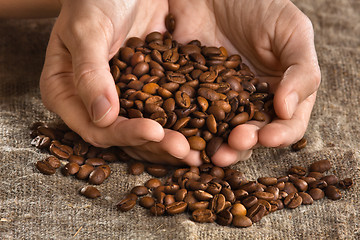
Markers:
point(276, 40)
point(76, 82)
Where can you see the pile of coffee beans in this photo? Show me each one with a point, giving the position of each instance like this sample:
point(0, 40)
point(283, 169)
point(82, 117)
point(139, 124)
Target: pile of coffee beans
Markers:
point(225, 196)
point(200, 91)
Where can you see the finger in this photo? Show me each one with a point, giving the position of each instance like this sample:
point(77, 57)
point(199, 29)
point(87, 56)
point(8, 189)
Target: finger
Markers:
point(227, 156)
point(171, 149)
point(298, 56)
point(280, 133)
point(245, 136)
point(88, 43)
point(193, 158)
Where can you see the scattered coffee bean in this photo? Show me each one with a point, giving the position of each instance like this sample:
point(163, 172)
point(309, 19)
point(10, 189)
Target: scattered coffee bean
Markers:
point(299, 144)
point(136, 168)
point(241, 221)
point(320, 166)
point(346, 183)
point(203, 216)
point(332, 192)
point(90, 192)
point(45, 168)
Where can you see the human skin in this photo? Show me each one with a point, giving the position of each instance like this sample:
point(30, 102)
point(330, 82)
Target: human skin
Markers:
point(273, 37)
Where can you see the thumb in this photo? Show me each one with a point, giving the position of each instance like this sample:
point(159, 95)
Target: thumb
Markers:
point(92, 78)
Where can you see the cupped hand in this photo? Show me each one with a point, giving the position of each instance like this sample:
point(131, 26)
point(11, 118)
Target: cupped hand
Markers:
point(76, 82)
point(276, 40)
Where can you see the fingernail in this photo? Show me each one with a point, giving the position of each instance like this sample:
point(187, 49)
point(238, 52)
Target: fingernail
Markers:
point(291, 102)
point(100, 108)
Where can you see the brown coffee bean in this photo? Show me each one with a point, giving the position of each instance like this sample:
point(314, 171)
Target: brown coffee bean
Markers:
point(41, 142)
point(300, 184)
point(217, 204)
point(228, 194)
point(77, 159)
point(53, 162)
point(330, 179)
point(140, 190)
point(316, 175)
point(240, 194)
point(299, 144)
point(316, 193)
point(320, 166)
point(176, 208)
point(169, 199)
point(239, 119)
point(213, 146)
point(241, 221)
point(238, 209)
point(84, 171)
point(318, 184)
point(306, 198)
point(346, 183)
point(158, 209)
point(274, 190)
point(95, 161)
point(201, 195)
point(97, 176)
point(147, 202)
point(267, 180)
point(293, 200)
point(256, 212)
point(136, 168)
point(180, 195)
point(90, 192)
point(106, 169)
point(224, 218)
point(182, 99)
point(60, 151)
point(214, 188)
point(45, 168)
point(153, 183)
point(298, 170)
point(264, 195)
point(290, 188)
point(196, 143)
point(157, 170)
point(332, 192)
point(217, 172)
point(126, 204)
point(203, 216)
point(171, 188)
point(198, 205)
point(70, 169)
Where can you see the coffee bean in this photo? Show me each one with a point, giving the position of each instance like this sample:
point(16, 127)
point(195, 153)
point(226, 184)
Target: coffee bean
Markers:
point(198, 205)
point(330, 179)
point(224, 218)
point(45, 168)
point(241, 221)
point(203, 216)
point(157, 170)
point(318, 184)
point(293, 200)
point(90, 192)
point(213, 146)
point(41, 142)
point(238, 209)
point(60, 151)
point(256, 212)
point(197, 143)
point(316, 175)
point(301, 171)
point(267, 180)
point(53, 161)
point(140, 190)
point(153, 183)
point(346, 183)
point(97, 176)
point(84, 171)
point(176, 208)
point(264, 195)
point(106, 169)
point(228, 194)
point(306, 198)
point(136, 168)
point(217, 204)
point(95, 161)
point(300, 184)
point(316, 193)
point(332, 192)
point(158, 209)
point(70, 169)
point(147, 202)
point(320, 166)
point(299, 144)
point(126, 204)
point(169, 199)
point(290, 188)
point(77, 159)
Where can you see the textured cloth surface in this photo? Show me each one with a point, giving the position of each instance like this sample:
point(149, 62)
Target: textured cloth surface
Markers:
point(35, 206)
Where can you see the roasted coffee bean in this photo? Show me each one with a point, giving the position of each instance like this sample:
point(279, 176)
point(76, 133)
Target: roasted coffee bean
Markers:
point(53, 162)
point(332, 192)
point(283, 179)
point(238, 209)
point(290, 188)
point(241, 221)
point(293, 200)
point(169, 199)
point(316, 193)
point(70, 169)
point(198, 205)
point(306, 198)
point(201, 195)
point(330, 179)
point(180, 195)
point(346, 183)
point(84, 171)
point(157, 170)
point(203, 216)
point(176, 208)
point(214, 188)
point(256, 212)
point(41, 142)
point(228, 194)
point(274, 190)
point(240, 194)
point(60, 151)
point(213, 146)
point(126, 204)
point(224, 218)
point(300, 184)
point(318, 184)
point(153, 183)
point(140, 190)
point(267, 180)
point(264, 195)
point(90, 192)
point(217, 204)
point(77, 159)
point(136, 168)
point(95, 161)
point(320, 166)
point(45, 168)
point(299, 144)
point(316, 175)
point(197, 143)
point(308, 179)
point(171, 188)
point(301, 171)
point(80, 148)
point(106, 169)
point(147, 202)
point(158, 209)
point(97, 176)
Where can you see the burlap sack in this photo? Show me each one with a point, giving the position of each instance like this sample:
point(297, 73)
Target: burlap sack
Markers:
point(35, 206)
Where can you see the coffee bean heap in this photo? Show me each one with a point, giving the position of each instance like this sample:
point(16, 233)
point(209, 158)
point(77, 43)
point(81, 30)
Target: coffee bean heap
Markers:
point(200, 91)
point(225, 196)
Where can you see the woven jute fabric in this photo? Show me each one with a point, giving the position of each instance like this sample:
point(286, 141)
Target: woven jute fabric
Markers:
point(35, 206)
